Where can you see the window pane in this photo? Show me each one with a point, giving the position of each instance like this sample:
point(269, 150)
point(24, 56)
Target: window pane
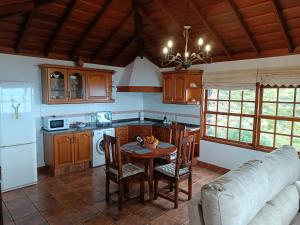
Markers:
point(285, 109)
point(233, 134)
point(249, 95)
point(234, 121)
point(222, 120)
point(247, 123)
point(235, 107)
point(236, 95)
point(211, 119)
point(224, 94)
point(246, 136)
point(297, 128)
point(212, 106)
point(266, 139)
point(269, 109)
point(212, 93)
point(223, 107)
point(267, 125)
point(297, 110)
point(282, 140)
point(221, 132)
point(248, 108)
point(210, 131)
point(283, 127)
point(298, 95)
point(296, 143)
point(270, 94)
point(286, 94)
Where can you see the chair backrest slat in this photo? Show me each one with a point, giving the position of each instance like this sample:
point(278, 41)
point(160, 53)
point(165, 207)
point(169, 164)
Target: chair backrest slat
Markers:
point(185, 154)
point(113, 154)
point(177, 132)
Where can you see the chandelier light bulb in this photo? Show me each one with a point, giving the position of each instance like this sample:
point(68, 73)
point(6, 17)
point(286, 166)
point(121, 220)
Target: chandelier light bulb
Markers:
point(207, 48)
point(165, 50)
point(186, 54)
point(170, 44)
point(200, 41)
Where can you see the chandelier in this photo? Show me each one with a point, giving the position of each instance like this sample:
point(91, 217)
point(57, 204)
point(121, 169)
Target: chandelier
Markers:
point(185, 61)
point(202, 55)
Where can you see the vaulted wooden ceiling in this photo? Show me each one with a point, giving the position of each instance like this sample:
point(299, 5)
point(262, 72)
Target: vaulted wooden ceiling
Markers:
point(114, 32)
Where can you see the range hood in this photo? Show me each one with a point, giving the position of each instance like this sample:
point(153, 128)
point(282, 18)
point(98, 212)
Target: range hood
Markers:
point(141, 75)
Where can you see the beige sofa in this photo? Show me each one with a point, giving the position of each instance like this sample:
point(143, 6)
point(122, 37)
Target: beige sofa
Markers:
point(259, 192)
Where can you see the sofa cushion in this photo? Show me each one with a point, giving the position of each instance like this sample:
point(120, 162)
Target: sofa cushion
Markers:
point(286, 203)
point(282, 166)
point(236, 197)
point(268, 215)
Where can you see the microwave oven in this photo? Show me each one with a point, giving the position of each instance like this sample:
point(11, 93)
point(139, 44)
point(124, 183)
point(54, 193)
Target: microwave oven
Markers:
point(55, 123)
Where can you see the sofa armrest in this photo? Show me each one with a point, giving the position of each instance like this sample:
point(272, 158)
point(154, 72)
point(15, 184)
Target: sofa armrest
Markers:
point(195, 210)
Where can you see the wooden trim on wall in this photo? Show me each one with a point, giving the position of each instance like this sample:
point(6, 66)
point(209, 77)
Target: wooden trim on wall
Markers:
point(147, 89)
point(212, 166)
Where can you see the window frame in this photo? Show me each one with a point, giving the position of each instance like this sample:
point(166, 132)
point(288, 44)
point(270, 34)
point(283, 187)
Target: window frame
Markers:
point(240, 115)
point(257, 117)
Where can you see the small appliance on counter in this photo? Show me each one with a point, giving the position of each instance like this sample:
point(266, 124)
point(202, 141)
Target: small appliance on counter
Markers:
point(54, 123)
point(103, 119)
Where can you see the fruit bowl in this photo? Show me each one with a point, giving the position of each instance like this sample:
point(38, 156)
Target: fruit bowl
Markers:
point(150, 142)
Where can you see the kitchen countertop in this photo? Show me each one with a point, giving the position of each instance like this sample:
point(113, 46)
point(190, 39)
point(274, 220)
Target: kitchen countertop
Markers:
point(119, 123)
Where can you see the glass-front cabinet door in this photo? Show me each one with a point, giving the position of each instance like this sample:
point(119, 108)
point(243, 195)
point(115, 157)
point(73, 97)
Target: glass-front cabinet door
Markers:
point(76, 84)
point(57, 85)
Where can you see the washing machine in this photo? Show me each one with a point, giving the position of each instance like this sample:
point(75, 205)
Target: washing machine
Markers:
point(98, 158)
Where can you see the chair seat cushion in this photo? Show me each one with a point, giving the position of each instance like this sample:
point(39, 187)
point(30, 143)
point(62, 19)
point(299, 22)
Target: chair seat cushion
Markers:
point(169, 170)
point(128, 170)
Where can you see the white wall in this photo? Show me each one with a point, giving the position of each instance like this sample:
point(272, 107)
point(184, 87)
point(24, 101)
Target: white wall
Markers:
point(22, 68)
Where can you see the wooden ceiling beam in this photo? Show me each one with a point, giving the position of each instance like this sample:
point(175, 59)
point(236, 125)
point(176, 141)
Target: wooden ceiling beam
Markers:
point(70, 9)
point(283, 27)
point(243, 26)
point(129, 41)
point(168, 13)
point(112, 35)
point(24, 31)
point(138, 28)
point(212, 31)
point(90, 29)
point(21, 8)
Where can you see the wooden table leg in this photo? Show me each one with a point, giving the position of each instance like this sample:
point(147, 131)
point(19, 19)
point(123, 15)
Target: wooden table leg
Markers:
point(150, 178)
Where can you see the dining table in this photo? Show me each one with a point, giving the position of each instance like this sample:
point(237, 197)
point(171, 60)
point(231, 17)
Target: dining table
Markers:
point(138, 151)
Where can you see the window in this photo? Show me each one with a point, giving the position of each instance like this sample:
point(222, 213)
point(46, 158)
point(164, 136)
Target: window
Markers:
point(263, 119)
point(279, 119)
point(229, 115)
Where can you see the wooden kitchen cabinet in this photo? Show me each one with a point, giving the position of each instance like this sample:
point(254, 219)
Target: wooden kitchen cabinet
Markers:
point(139, 130)
point(182, 87)
point(82, 146)
point(68, 152)
point(99, 86)
point(63, 150)
point(66, 84)
point(122, 134)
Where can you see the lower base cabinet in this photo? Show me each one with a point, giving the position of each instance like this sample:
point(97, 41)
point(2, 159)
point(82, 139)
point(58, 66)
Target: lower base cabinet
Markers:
point(68, 152)
point(138, 130)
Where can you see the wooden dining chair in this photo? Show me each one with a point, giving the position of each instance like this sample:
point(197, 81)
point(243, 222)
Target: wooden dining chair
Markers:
point(118, 172)
point(177, 172)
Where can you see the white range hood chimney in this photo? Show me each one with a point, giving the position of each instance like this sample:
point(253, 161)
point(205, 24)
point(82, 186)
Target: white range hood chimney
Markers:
point(141, 75)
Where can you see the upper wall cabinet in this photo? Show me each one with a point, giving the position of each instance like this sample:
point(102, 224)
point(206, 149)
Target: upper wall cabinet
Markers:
point(65, 84)
point(182, 87)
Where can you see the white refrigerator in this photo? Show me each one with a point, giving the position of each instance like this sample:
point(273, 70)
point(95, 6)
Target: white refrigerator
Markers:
point(17, 136)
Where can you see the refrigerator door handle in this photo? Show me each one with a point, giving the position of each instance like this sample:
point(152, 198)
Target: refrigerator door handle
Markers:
point(8, 146)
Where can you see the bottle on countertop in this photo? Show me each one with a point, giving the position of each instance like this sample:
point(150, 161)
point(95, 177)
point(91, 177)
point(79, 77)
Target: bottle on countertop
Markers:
point(165, 121)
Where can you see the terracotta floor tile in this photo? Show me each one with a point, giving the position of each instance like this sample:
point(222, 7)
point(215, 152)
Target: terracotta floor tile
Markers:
point(33, 219)
point(165, 220)
point(79, 198)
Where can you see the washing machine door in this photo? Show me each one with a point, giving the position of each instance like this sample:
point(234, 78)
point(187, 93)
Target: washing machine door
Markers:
point(100, 146)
